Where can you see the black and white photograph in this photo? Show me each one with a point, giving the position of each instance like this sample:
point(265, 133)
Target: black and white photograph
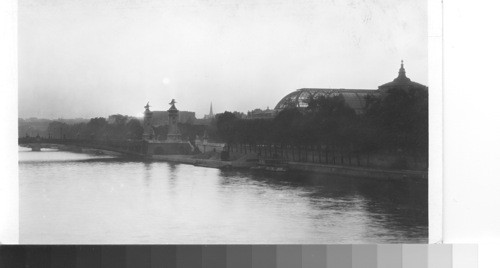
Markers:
point(223, 122)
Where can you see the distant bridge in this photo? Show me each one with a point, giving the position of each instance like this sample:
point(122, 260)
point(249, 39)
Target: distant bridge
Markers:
point(134, 148)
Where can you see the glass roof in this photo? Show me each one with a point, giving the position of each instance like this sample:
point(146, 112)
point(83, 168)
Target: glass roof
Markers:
point(355, 98)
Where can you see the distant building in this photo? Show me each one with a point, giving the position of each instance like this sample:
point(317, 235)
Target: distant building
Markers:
point(261, 114)
point(160, 118)
point(207, 119)
point(187, 117)
point(210, 115)
point(401, 82)
point(355, 98)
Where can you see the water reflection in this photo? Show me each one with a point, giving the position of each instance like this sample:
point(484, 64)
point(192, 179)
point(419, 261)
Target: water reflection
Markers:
point(78, 198)
point(147, 173)
point(398, 206)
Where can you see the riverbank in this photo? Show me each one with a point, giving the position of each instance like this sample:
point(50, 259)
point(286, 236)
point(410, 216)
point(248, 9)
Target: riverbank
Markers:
point(358, 171)
point(250, 161)
point(77, 149)
point(211, 160)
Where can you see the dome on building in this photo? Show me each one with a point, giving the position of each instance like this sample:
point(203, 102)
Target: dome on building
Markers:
point(355, 98)
point(401, 82)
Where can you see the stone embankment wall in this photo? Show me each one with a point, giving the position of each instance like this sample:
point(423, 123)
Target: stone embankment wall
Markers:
point(212, 160)
point(324, 155)
point(357, 171)
point(209, 146)
point(165, 148)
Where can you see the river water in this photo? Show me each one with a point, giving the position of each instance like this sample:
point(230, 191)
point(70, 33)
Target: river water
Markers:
point(69, 198)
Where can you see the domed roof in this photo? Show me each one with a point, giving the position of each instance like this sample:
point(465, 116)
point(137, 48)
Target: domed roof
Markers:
point(355, 98)
point(401, 82)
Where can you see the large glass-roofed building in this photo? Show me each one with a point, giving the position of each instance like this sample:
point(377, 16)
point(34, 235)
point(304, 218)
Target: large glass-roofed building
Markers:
point(355, 98)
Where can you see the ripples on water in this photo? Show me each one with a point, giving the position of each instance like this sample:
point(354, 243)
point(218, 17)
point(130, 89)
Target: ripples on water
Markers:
point(80, 198)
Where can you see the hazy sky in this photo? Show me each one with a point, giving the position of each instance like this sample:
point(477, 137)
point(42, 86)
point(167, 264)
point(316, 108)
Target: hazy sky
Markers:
point(88, 58)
